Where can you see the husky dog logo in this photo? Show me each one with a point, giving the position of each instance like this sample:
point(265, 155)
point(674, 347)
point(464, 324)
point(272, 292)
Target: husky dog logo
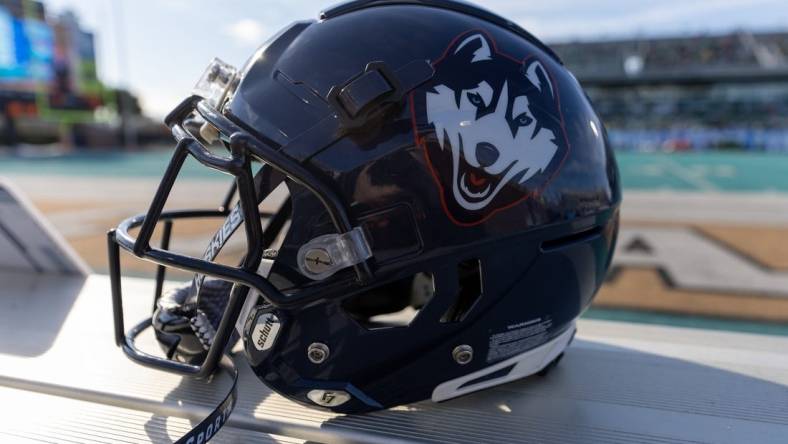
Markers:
point(491, 128)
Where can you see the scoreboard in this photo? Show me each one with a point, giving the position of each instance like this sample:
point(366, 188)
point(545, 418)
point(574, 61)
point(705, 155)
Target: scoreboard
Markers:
point(26, 52)
point(47, 62)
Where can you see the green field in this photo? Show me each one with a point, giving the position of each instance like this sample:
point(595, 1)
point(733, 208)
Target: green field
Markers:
point(640, 171)
point(704, 171)
point(114, 164)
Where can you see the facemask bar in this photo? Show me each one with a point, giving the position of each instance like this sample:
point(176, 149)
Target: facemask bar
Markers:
point(243, 148)
point(361, 100)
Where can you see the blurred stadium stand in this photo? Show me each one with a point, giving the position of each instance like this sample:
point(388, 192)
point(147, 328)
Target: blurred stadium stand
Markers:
point(705, 92)
point(50, 92)
point(680, 93)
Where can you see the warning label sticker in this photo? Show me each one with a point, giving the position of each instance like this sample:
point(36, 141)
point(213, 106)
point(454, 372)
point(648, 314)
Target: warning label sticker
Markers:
point(518, 338)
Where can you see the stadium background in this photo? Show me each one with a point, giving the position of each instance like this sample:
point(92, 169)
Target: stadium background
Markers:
point(699, 122)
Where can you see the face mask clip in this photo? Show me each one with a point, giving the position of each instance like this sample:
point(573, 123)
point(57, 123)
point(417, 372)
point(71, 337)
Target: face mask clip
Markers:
point(325, 255)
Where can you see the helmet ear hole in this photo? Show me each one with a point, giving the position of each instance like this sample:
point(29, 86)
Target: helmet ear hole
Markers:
point(394, 304)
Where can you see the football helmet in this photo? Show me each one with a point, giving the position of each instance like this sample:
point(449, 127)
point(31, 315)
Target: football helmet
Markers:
point(447, 208)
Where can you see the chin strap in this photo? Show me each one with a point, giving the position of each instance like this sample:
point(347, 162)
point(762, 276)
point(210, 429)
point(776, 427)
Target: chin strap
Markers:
point(195, 327)
point(171, 314)
point(208, 427)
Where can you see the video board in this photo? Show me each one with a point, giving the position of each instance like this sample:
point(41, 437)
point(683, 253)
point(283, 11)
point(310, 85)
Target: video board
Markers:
point(26, 51)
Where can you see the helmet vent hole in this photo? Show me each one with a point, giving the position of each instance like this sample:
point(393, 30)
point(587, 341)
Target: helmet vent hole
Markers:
point(395, 304)
point(572, 239)
point(469, 273)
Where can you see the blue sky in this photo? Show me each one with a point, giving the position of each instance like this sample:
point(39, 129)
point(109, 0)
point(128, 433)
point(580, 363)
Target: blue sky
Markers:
point(167, 43)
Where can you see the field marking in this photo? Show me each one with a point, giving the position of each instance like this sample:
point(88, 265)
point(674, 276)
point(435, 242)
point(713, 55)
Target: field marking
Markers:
point(693, 206)
point(692, 260)
point(689, 176)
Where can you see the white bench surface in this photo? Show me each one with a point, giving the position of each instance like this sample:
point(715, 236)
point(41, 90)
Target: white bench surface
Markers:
point(63, 380)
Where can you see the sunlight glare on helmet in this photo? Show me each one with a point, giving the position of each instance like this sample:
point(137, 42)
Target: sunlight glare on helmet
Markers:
point(594, 128)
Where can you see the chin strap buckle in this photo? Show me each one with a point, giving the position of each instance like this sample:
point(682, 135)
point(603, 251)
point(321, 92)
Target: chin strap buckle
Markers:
point(325, 255)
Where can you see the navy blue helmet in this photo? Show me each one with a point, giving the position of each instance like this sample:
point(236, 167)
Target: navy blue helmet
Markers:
point(446, 206)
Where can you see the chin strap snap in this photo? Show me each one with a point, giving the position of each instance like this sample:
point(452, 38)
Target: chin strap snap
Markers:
point(325, 255)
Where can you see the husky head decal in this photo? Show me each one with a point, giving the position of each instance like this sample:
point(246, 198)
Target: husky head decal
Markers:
point(491, 128)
